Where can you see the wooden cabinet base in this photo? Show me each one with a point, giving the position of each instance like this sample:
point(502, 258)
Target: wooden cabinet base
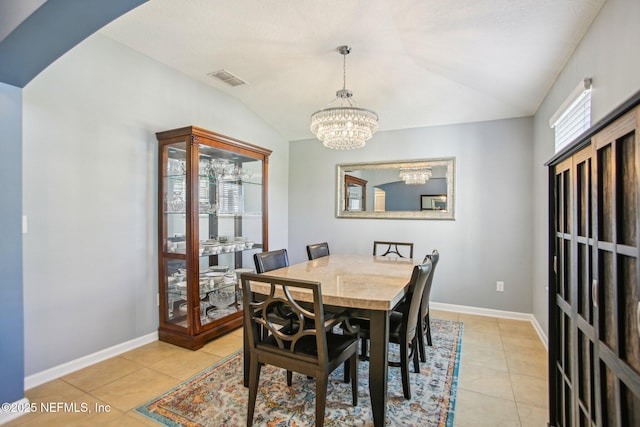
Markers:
point(194, 342)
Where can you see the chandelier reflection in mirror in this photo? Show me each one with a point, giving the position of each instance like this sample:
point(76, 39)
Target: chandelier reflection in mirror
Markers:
point(346, 126)
point(415, 175)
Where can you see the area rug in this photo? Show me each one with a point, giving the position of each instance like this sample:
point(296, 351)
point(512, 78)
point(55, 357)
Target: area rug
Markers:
point(217, 398)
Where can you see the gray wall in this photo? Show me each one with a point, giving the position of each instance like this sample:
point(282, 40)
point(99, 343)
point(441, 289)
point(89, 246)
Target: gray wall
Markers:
point(608, 54)
point(490, 239)
point(11, 314)
point(90, 193)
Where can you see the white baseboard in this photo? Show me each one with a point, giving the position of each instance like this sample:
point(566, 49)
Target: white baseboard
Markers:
point(494, 313)
point(15, 410)
point(82, 362)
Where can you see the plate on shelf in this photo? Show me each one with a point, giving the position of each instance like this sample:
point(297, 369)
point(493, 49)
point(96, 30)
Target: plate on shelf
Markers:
point(216, 313)
point(214, 274)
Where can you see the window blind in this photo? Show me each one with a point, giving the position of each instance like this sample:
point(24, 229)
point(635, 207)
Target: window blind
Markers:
point(573, 117)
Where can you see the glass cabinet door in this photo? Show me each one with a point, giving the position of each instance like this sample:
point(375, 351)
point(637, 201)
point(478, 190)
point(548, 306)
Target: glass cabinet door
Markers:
point(174, 229)
point(229, 227)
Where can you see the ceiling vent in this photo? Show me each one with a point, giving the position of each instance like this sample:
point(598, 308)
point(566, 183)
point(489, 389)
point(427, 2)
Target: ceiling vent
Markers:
point(227, 77)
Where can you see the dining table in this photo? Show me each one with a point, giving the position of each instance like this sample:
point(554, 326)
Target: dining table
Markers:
point(368, 286)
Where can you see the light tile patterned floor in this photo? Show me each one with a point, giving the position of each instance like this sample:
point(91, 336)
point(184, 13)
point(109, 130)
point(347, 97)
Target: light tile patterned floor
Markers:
point(502, 382)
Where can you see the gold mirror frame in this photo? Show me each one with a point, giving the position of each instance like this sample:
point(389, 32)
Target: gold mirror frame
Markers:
point(348, 168)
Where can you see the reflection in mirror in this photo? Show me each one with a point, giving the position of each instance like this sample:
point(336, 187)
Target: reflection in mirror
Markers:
point(414, 189)
point(355, 193)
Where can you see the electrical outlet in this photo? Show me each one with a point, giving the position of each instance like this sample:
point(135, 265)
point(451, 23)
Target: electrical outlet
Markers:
point(500, 286)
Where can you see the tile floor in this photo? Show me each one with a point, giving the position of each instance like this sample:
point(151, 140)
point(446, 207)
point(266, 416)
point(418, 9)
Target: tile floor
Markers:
point(502, 378)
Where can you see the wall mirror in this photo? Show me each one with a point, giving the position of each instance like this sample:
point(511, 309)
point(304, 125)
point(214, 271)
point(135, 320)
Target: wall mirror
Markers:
point(403, 189)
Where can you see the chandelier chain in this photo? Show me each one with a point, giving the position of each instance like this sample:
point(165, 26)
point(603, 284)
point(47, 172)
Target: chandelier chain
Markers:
point(344, 71)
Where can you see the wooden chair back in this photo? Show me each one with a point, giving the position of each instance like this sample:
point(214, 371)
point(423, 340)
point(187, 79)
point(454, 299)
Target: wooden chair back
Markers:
point(272, 260)
point(434, 257)
point(393, 248)
point(418, 281)
point(317, 250)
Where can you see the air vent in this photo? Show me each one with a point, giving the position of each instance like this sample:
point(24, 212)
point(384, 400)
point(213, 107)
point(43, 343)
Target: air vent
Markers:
point(227, 77)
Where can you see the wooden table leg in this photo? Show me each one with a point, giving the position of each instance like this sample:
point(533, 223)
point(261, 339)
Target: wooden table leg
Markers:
point(378, 364)
point(245, 341)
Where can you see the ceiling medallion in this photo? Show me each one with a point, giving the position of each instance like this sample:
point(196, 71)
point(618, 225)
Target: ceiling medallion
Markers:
point(346, 126)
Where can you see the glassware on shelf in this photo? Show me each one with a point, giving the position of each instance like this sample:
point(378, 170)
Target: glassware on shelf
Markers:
point(205, 167)
point(204, 306)
point(176, 167)
point(222, 298)
point(176, 204)
point(238, 296)
point(218, 167)
point(225, 170)
point(208, 208)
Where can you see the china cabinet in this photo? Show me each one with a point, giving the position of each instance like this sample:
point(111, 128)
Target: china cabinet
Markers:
point(212, 218)
point(594, 275)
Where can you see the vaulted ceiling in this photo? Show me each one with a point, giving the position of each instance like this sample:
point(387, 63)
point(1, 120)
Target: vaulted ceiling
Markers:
point(415, 62)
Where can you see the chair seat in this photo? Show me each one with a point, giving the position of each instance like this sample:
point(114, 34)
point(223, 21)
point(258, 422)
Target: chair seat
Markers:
point(307, 346)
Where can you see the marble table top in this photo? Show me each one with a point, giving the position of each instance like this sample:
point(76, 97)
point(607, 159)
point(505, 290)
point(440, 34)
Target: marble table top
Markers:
point(357, 281)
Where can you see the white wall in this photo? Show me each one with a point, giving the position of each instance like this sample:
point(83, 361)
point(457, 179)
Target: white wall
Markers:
point(490, 239)
point(90, 193)
point(608, 54)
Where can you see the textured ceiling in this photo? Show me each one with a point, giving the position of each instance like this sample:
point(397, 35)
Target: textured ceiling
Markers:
point(414, 62)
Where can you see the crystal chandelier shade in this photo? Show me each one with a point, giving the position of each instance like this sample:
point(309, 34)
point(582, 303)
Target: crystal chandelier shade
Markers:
point(415, 175)
point(347, 126)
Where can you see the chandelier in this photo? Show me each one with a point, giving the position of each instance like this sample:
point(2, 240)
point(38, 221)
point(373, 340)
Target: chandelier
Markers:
point(346, 126)
point(415, 175)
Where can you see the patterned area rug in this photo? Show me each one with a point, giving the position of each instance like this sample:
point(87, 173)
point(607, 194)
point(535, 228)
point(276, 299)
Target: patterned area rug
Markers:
point(217, 398)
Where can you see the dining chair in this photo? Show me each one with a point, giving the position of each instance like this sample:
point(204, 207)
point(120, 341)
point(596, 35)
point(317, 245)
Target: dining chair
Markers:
point(424, 323)
point(403, 326)
point(307, 345)
point(272, 260)
point(280, 314)
point(393, 248)
point(317, 250)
